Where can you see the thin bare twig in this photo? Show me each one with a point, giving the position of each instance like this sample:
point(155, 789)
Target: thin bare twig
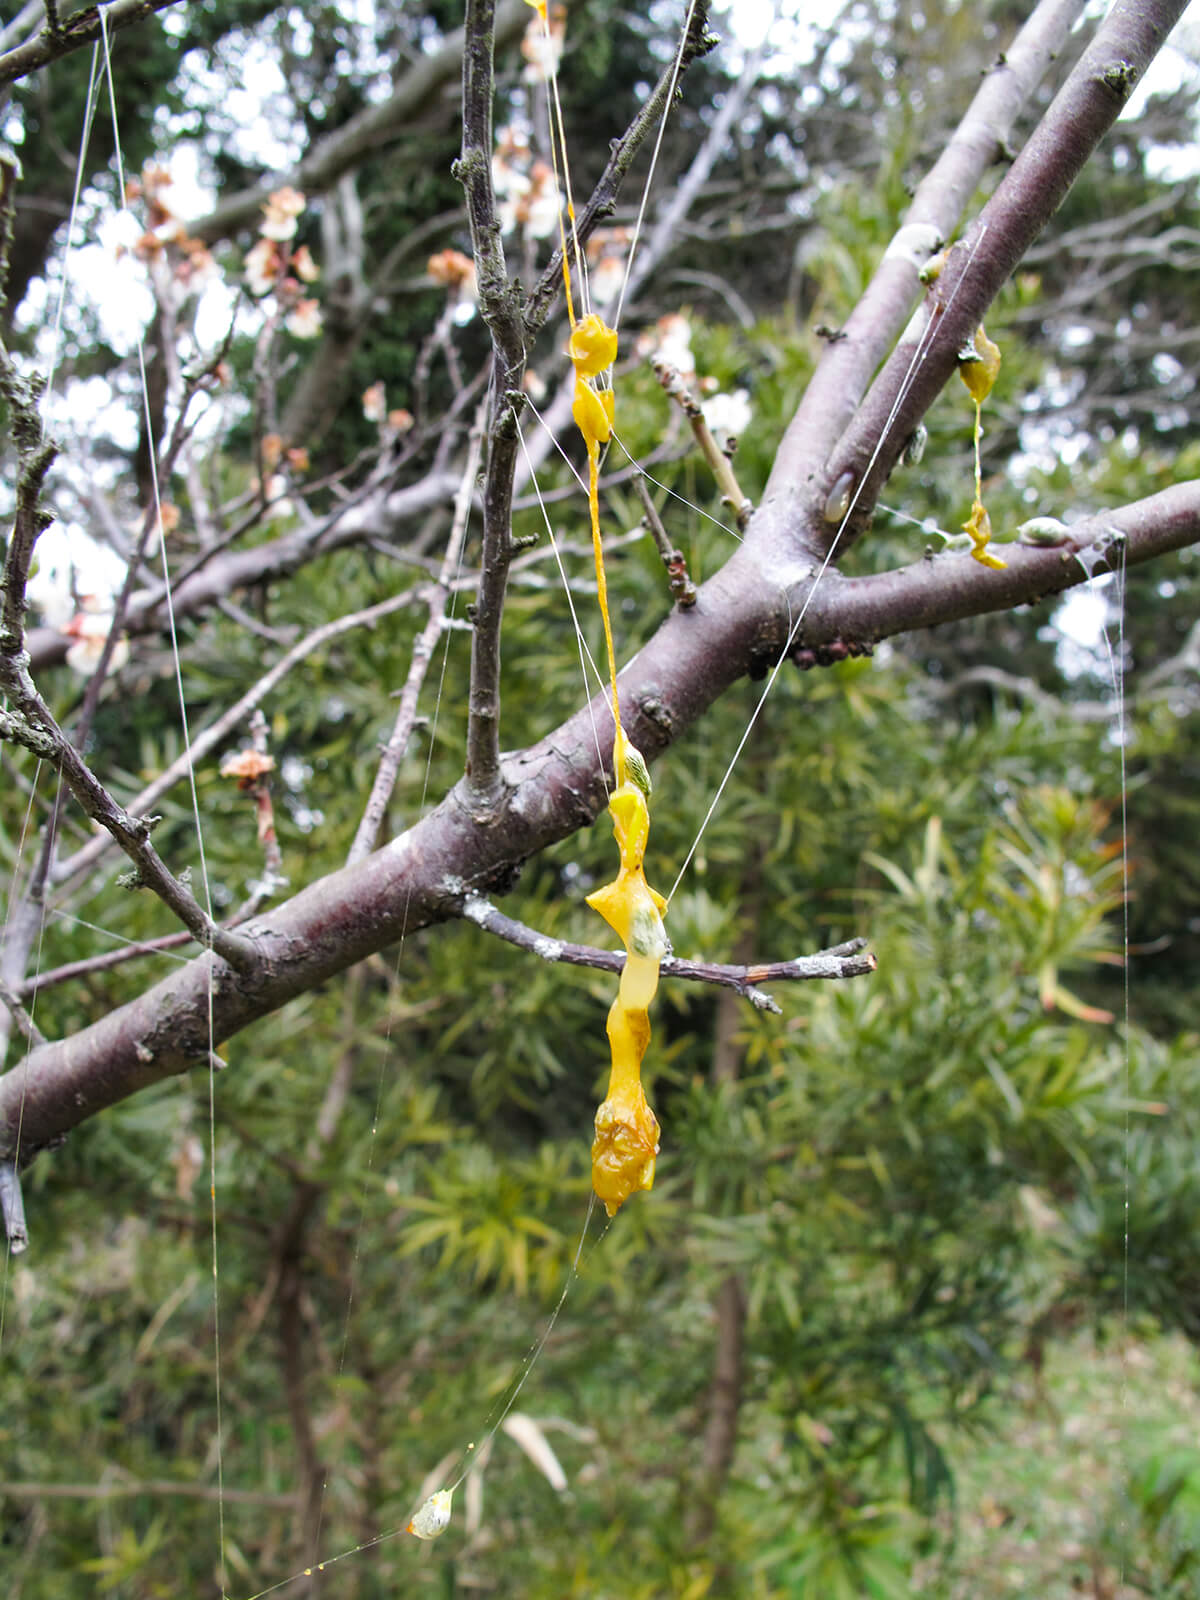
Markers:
point(698, 43)
point(849, 960)
point(719, 462)
point(67, 973)
point(500, 307)
point(682, 587)
point(367, 835)
point(231, 719)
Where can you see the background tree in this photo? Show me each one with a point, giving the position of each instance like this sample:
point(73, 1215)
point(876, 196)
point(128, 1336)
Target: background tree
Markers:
point(755, 1379)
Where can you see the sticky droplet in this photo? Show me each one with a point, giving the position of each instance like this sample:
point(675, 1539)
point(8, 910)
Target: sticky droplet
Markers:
point(837, 502)
point(433, 1518)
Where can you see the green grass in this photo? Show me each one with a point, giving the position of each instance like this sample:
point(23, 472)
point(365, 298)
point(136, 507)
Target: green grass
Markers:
point(1050, 1505)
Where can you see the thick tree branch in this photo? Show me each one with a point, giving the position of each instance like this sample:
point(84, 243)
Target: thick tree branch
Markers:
point(976, 269)
point(741, 619)
point(849, 362)
point(947, 588)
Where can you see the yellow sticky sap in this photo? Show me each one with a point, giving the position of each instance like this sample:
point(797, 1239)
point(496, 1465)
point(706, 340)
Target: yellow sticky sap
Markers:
point(626, 1142)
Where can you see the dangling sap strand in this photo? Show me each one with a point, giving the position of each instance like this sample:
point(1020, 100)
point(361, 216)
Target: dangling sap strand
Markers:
point(626, 1142)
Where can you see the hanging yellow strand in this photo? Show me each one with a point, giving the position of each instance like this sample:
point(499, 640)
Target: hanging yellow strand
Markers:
point(977, 367)
point(626, 1142)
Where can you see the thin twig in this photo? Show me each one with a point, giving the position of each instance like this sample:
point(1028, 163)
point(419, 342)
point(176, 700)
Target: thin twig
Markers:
point(111, 958)
point(32, 725)
point(603, 198)
point(719, 462)
point(367, 836)
point(849, 960)
point(231, 719)
point(500, 306)
point(682, 586)
point(25, 1023)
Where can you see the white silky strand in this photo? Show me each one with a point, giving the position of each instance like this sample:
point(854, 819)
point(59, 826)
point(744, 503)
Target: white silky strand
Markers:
point(152, 454)
point(662, 128)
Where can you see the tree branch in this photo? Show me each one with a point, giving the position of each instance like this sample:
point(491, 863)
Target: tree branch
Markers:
point(367, 835)
point(225, 724)
point(363, 134)
point(31, 724)
point(603, 198)
point(848, 363)
point(977, 268)
point(850, 960)
point(378, 513)
point(82, 27)
point(741, 618)
point(499, 305)
point(949, 587)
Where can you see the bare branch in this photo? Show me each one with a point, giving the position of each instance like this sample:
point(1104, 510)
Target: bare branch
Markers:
point(550, 790)
point(364, 134)
point(379, 512)
point(976, 269)
point(849, 362)
point(213, 735)
point(367, 836)
point(82, 27)
point(499, 305)
point(849, 960)
point(719, 464)
point(946, 588)
point(698, 43)
point(71, 970)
